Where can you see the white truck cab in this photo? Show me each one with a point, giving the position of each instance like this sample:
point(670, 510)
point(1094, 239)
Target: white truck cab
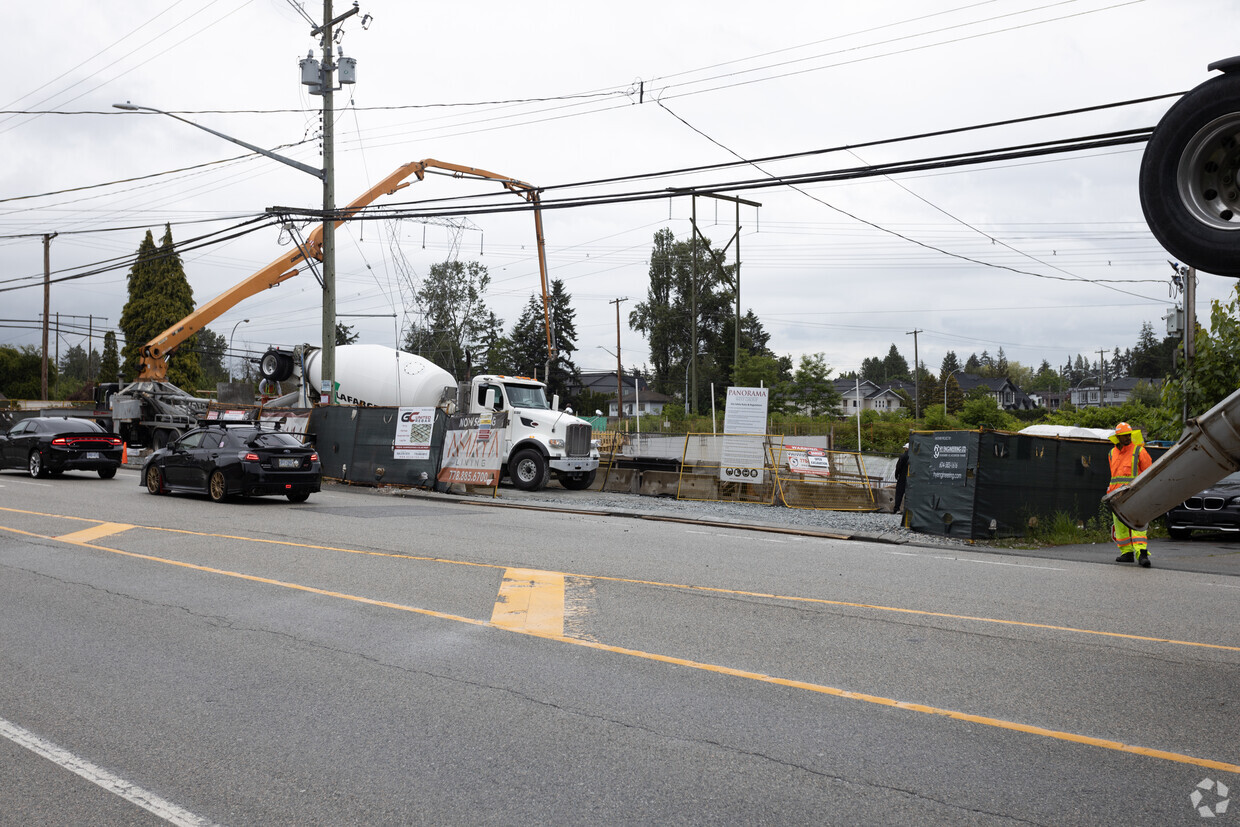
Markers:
point(539, 439)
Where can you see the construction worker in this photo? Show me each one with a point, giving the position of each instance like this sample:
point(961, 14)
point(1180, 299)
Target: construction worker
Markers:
point(1128, 459)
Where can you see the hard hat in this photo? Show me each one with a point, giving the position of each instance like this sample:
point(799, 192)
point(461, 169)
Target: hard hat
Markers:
point(1123, 428)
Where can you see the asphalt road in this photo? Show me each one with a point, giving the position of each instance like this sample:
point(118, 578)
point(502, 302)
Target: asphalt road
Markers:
point(367, 659)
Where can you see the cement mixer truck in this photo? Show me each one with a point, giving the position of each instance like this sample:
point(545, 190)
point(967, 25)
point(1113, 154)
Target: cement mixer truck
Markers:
point(538, 441)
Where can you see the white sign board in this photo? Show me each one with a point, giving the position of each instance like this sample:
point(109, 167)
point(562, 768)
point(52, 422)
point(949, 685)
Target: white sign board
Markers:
point(743, 458)
point(413, 433)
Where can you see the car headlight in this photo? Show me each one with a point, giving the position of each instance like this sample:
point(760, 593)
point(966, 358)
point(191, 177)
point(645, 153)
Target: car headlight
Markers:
point(596, 444)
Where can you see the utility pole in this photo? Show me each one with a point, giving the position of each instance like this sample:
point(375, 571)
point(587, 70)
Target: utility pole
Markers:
point(619, 369)
point(916, 369)
point(329, 208)
point(47, 302)
point(736, 236)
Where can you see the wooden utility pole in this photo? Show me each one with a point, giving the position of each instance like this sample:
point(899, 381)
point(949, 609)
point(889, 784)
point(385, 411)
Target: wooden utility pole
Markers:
point(619, 369)
point(47, 304)
point(916, 369)
point(1102, 378)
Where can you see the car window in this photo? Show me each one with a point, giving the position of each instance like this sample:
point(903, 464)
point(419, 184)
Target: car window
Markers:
point(19, 428)
point(191, 440)
point(212, 439)
point(272, 439)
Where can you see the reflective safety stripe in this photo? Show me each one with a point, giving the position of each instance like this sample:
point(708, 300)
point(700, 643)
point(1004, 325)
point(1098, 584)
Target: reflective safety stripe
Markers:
point(1136, 459)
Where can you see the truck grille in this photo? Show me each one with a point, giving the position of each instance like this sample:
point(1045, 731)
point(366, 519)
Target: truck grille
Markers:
point(577, 442)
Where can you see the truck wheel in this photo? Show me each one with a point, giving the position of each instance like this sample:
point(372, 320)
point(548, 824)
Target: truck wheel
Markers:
point(217, 486)
point(578, 482)
point(1188, 182)
point(275, 366)
point(35, 464)
point(160, 438)
point(528, 470)
point(154, 480)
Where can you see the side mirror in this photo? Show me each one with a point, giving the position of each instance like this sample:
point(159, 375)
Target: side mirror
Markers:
point(555, 402)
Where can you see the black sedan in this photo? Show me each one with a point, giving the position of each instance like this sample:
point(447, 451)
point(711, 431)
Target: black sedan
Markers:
point(55, 444)
point(225, 460)
point(1215, 509)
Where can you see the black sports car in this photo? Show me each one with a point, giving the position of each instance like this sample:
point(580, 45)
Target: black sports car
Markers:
point(53, 444)
point(1215, 509)
point(224, 460)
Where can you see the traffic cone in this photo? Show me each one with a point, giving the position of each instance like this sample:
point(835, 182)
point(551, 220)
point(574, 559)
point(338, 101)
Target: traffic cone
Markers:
point(124, 453)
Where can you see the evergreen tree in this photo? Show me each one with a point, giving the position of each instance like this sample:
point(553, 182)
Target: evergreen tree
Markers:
point(666, 317)
point(345, 334)
point(973, 364)
point(159, 297)
point(109, 363)
point(211, 357)
point(896, 366)
point(75, 364)
point(950, 363)
point(1001, 365)
point(21, 372)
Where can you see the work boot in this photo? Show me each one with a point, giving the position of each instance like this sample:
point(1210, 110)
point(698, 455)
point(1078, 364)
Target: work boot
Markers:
point(1144, 559)
point(1126, 557)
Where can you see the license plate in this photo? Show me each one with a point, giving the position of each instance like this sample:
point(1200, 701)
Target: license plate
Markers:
point(288, 462)
point(92, 455)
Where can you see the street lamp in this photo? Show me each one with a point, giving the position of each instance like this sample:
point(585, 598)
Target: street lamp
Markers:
point(949, 376)
point(230, 348)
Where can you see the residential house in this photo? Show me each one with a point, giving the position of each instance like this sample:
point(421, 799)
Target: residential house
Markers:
point(643, 397)
point(869, 396)
point(1112, 394)
point(1006, 394)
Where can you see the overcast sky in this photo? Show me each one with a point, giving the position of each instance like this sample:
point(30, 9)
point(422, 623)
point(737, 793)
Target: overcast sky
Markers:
point(1043, 257)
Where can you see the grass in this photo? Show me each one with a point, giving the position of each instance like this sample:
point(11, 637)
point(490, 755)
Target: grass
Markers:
point(1065, 530)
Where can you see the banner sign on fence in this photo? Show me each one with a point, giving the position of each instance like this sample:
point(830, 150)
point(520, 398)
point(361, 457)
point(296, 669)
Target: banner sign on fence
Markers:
point(414, 427)
point(807, 461)
point(743, 458)
point(469, 458)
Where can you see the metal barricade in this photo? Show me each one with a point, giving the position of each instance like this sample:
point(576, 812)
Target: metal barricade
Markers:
point(820, 479)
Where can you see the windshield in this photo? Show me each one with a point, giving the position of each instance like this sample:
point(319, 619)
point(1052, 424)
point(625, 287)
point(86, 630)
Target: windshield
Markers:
point(526, 396)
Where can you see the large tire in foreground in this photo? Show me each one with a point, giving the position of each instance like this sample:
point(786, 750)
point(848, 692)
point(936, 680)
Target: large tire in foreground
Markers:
point(578, 482)
point(528, 470)
point(1189, 184)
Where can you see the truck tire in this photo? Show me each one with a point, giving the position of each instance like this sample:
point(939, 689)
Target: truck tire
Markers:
point(1188, 180)
point(528, 470)
point(578, 482)
point(275, 366)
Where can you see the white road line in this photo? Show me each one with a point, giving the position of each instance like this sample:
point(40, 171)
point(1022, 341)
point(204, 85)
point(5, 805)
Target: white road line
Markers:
point(132, 793)
point(967, 560)
point(27, 482)
point(738, 528)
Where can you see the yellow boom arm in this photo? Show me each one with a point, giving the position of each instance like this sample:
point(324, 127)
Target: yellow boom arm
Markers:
point(153, 361)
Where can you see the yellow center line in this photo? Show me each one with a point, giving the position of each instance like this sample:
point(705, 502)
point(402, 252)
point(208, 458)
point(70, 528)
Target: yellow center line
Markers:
point(531, 600)
point(686, 587)
point(983, 720)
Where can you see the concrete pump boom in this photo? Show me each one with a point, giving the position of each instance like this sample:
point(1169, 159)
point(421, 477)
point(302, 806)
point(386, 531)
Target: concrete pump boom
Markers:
point(153, 359)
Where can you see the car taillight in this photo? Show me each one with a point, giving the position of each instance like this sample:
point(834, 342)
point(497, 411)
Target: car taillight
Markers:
point(314, 457)
point(115, 440)
point(60, 440)
point(252, 457)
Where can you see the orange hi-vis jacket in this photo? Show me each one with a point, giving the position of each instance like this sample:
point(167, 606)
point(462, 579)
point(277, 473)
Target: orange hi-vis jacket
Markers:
point(1126, 462)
